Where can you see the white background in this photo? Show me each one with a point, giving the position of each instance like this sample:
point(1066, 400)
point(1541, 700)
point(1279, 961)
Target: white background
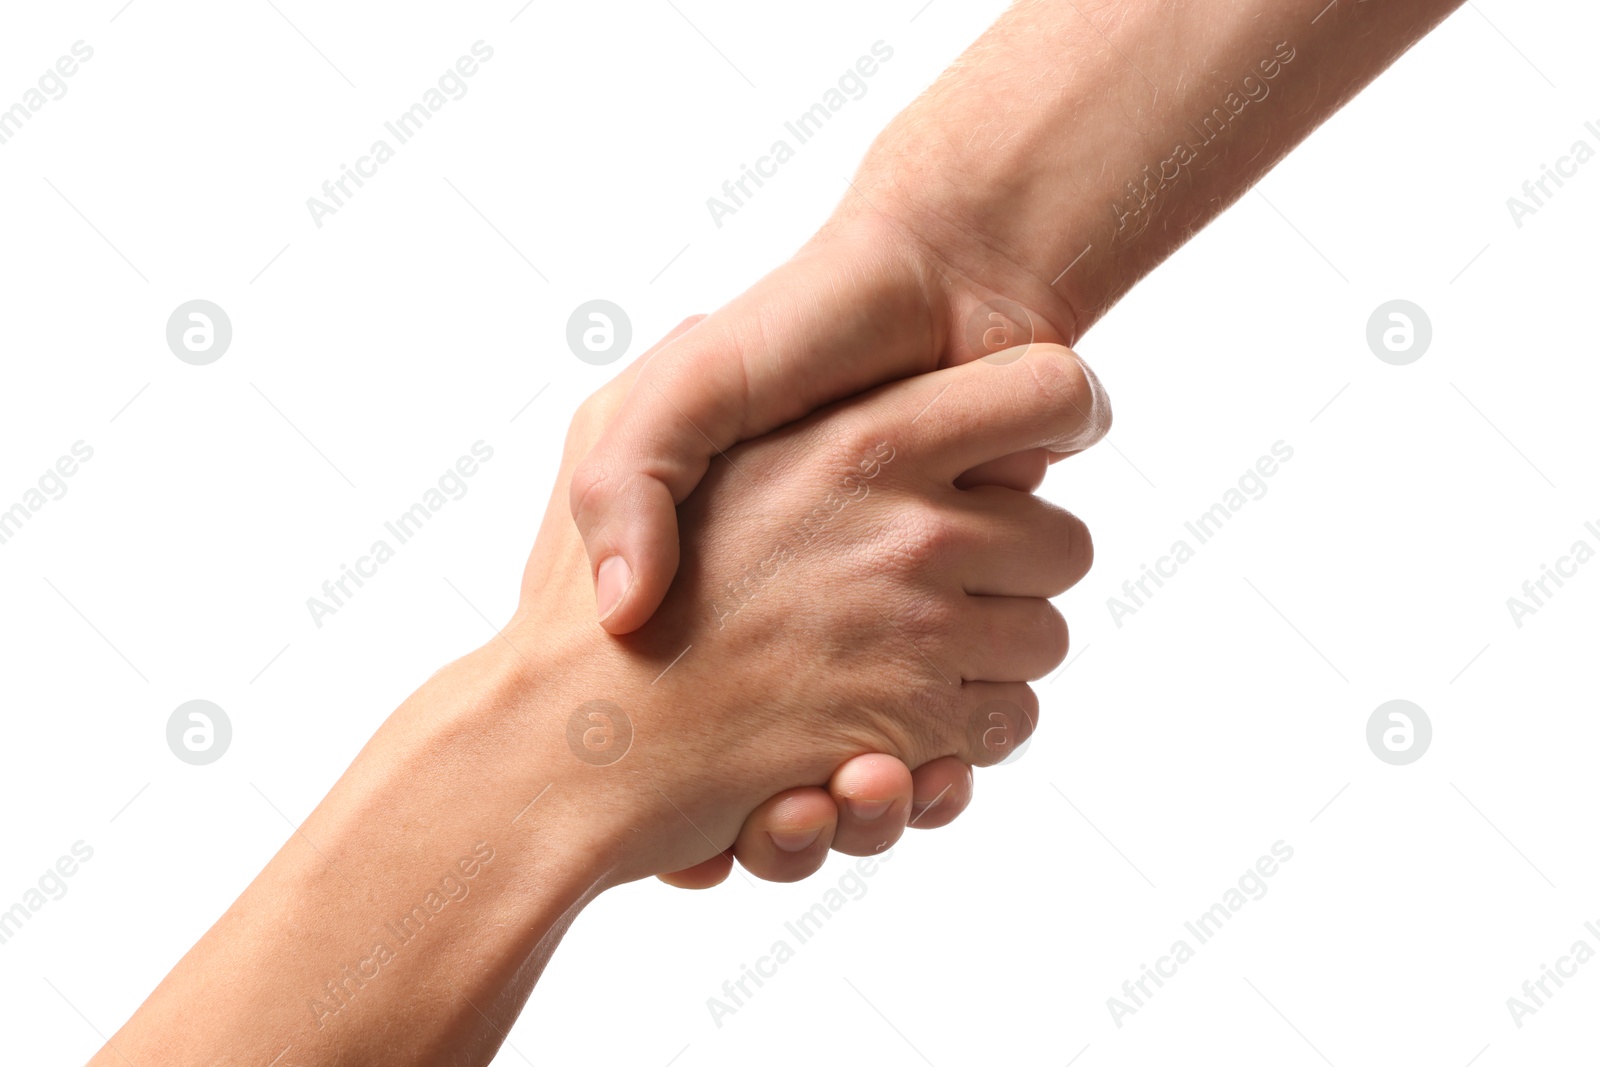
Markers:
point(1224, 716)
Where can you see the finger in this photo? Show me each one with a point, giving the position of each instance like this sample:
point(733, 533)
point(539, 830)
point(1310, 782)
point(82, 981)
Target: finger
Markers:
point(1025, 546)
point(1023, 471)
point(957, 418)
point(611, 580)
point(941, 789)
point(702, 875)
point(1103, 399)
point(788, 836)
point(999, 718)
point(872, 795)
point(615, 392)
point(777, 353)
point(1012, 639)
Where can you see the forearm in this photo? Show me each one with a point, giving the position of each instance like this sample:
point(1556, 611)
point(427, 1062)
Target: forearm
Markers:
point(406, 920)
point(1101, 135)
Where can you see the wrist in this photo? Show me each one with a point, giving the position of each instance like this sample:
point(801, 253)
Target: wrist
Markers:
point(490, 731)
point(1082, 181)
point(973, 229)
point(580, 727)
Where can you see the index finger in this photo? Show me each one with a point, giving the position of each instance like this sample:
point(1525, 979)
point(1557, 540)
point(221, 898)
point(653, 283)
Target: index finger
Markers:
point(1037, 396)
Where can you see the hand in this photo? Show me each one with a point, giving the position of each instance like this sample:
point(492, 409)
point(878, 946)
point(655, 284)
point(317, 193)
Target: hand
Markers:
point(841, 596)
point(864, 808)
point(864, 303)
point(870, 800)
point(845, 344)
point(991, 212)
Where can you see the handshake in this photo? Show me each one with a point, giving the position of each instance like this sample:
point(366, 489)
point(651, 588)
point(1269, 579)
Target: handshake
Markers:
point(844, 625)
point(807, 527)
point(790, 589)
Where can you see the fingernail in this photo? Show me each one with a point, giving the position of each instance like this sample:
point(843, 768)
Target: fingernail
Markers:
point(796, 841)
point(610, 583)
point(867, 810)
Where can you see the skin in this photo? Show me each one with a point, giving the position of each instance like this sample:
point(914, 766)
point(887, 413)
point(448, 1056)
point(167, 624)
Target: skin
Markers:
point(1022, 153)
point(1041, 171)
point(497, 801)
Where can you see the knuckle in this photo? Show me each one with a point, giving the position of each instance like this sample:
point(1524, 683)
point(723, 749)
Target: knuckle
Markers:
point(859, 447)
point(1053, 636)
point(1063, 543)
point(1074, 554)
point(1080, 544)
point(1037, 634)
point(921, 539)
point(589, 488)
point(999, 726)
point(596, 410)
point(1027, 701)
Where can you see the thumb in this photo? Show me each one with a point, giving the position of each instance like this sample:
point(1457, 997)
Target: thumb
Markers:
point(826, 325)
